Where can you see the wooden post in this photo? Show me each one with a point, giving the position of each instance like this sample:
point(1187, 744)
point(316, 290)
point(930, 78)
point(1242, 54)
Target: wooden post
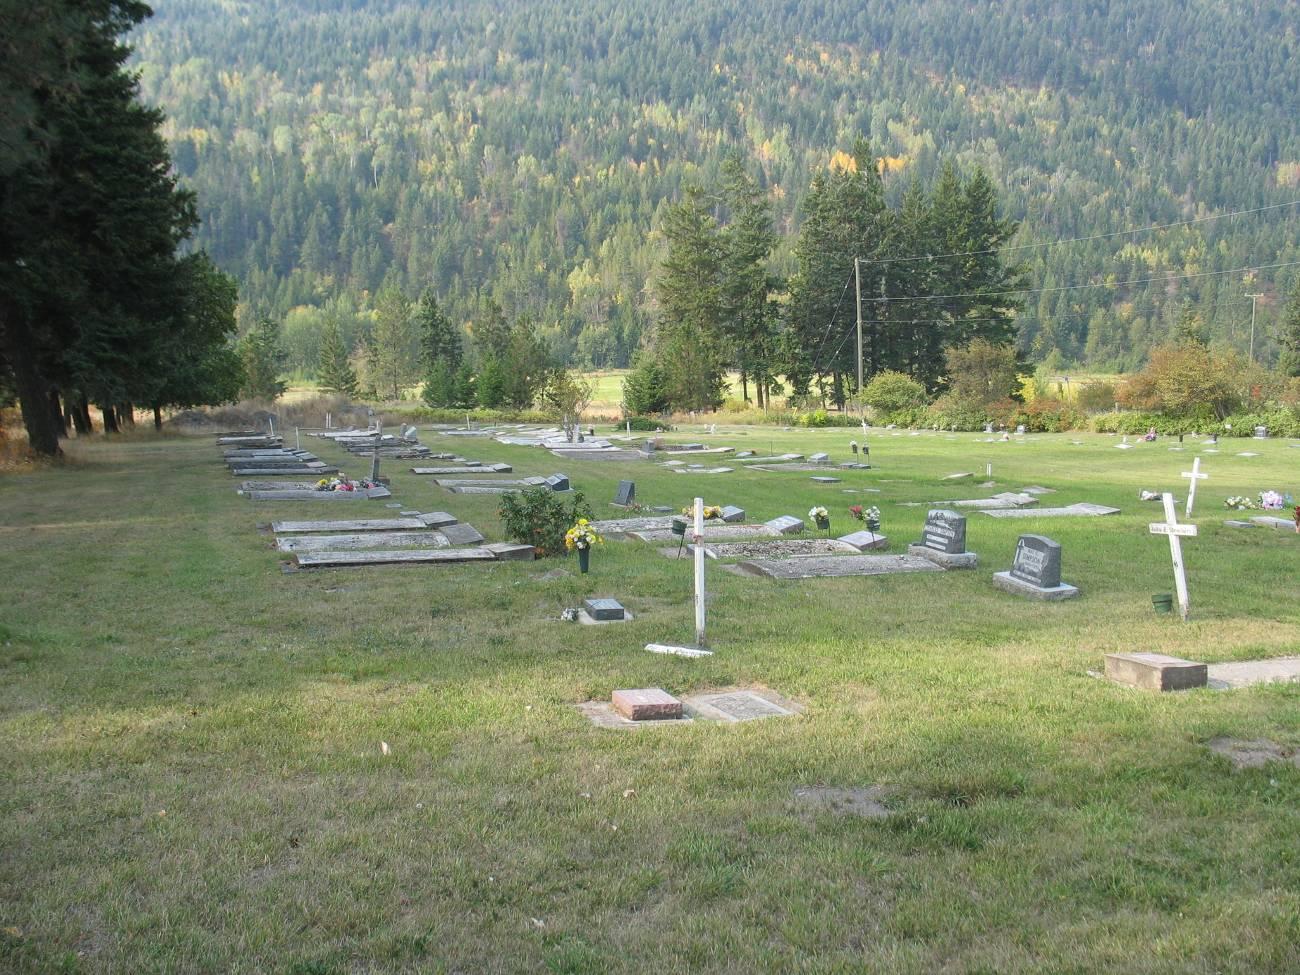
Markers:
point(1176, 532)
point(297, 439)
point(1194, 475)
point(699, 572)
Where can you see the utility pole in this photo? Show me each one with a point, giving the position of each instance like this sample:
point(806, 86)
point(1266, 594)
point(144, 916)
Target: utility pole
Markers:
point(1253, 298)
point(857, 291)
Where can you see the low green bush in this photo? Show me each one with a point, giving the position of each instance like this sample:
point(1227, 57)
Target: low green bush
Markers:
point(643, 424)
point(539, 517)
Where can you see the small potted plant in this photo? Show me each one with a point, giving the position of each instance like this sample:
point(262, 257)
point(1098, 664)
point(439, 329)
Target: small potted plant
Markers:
point(821, 517)
point(582, 537)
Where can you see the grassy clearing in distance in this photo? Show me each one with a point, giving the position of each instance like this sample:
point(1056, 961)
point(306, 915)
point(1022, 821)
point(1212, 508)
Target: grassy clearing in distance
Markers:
point(194, 779)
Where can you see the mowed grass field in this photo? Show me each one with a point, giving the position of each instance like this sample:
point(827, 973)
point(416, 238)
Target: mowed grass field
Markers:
point(194, 779)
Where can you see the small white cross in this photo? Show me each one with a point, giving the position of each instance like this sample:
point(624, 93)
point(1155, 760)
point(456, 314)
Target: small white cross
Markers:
point(1176, 532)
point(1195, 475)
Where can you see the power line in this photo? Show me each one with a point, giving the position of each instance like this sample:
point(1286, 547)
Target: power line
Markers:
point(1100, 284)
point(831, 324)
point(1076, 240)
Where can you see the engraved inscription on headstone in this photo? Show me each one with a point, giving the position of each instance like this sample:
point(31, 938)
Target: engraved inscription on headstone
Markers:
point(1037, 561)
point(945, 531)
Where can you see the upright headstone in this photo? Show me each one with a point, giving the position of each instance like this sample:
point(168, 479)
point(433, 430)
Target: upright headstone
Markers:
point(557, 482)
point(626, 493)
point(374, 455)
point(1036, 570)
point(943, 540)
point(1261, 433)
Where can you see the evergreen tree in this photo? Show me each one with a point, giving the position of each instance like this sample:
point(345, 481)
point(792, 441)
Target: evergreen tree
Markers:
point(644, 390)
point(393, 353)
point(439, 338)
point(336, 372)
point(689, 342)
point(490, 384)
point(264, 358)
point(1289, 336)
point(748, 313)
point(525, 368)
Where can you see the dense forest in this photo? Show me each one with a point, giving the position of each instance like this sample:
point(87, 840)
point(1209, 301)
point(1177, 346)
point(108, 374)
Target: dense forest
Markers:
point(520, 158)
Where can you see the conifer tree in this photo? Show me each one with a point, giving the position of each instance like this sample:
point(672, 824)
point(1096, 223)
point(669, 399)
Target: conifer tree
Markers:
point(263, 357)
point(336, 372)
point(1289, 336)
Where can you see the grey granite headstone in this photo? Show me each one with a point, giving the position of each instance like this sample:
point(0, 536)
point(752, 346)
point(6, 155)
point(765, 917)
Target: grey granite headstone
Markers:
point(461, 534)
point(732, 514)
point(1037, 561)
point(626, 493)
point(604, 609)
point(945, 531)
point(819, 458)
point(785, 525)
point(557, 482)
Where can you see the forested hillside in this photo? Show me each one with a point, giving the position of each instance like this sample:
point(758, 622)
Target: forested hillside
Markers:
point(523, 152)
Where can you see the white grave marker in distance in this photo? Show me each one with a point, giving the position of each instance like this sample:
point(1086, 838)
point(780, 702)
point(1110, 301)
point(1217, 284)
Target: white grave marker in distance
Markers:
point(1176, 533)
point(699, 572)
point(1195, 475)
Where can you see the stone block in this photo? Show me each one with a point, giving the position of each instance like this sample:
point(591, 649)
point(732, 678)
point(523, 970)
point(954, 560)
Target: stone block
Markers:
point(785, 525)
point(646, 704)
point(511, 551)
point(1155, 671)
point(1009, 583)
point(949, 560)
point(604, 609)
point(731, 514)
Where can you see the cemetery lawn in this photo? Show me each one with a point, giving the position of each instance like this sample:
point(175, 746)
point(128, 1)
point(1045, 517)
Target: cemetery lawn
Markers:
point(194, 779)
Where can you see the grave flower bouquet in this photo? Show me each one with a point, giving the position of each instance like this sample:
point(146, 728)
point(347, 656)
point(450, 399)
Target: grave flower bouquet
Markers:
point(856, 511)
point(1238, 503)
point(873, 519)
point(581, 536)
point(1273, 501)
point(820, 516)
point(710, 511)
point(342, 484)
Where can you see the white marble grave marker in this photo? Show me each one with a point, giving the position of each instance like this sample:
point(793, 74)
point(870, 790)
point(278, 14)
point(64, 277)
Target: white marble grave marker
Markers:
point(698, 539)
point(1195, 475)
point(1176, 532)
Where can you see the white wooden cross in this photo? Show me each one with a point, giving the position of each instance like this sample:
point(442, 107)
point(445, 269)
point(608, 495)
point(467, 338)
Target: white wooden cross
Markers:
point(1176, 532)
point(699, 572)
point(1195, 475)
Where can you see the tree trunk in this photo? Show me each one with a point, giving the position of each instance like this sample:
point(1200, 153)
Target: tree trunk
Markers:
point(126, 414)
point(110, 419)
point(157, 418)
point(79, 419)
point(81, 416)
point(744, 386)
point(42, 434)
point(57, 415)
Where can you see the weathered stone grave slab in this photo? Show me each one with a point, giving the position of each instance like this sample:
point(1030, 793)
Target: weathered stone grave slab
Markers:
point(1248, 673)
point(822, 458)
point(369, 494)
point(773, 459)
point(1155, 671)
point(511, 551)
point(825, 480)
point(622, 526)
point(1035, 571)
point(465, 469)
point(733, 706)
point(646, 704)
point(461, 534)
point(436, 519)
point(785, 525)
point(961, 476)
point(701, 470)
point(776, 548)
point(247, 486)
point(367, 540)
point(603, 715)
point(712, 532)
point(1272, 521)
point(1253, 753)
point(675, 650)
point(839, 566)
point(865, 541)
point(361, 525)
point(943, 541)
point(1080, 510)
point(732, 515)
point(317, 469)
point(321, 560)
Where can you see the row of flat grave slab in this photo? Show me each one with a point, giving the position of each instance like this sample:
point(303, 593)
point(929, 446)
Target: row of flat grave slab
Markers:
point(777, 548)
point(1263, 521)
point(465, 468)
point(364, 494)
point(1007, 500)
point(1080, 509)
point(491, 552)
point(654, 707)
point(1161, 672)
point(556, 482)
point(835, 566)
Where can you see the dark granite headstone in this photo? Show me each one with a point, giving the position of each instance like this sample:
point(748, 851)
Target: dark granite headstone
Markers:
point(557, 482)
point(945, 531)
point(1037, 562)
point(604, 609)
point(626, 493)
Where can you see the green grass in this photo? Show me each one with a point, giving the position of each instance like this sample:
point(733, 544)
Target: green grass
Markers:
point(193, 779)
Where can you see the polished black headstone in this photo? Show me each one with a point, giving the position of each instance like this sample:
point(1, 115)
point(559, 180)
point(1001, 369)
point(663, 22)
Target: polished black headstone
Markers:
point(945, 531)
point(1037, 561)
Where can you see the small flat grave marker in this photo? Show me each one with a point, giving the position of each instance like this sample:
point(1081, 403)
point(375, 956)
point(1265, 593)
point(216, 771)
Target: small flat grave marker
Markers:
point(865, 541)
point(1155, 671)
point(736, 706)
point(785, 525)
point(461, 534)
point(732, 515)
point(825, 480)
point(819, 458)
point(646, 704)
point(605, 610)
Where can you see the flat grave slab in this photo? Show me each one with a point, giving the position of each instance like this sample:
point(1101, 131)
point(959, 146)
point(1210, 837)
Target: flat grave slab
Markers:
point(1009, 583)
point(712, 532)
point(368, 540)
point(1080, 510)
point(785, 525)
point(369, 494)
point(622, 526)
point(1249, 673)
point(466, 469)
point(825, 480)
point(836, 566)
point(865, 541)
point(646, 704)
point(736, 705)
point(511, 551)
point(776, 548)
point(792, 466)
point(676, 650)
point(702, 470)
point(461, 534)
point(772, 459)
point(1253, 753)
point(436, 519)
point(604, 610)
point(1272, 521)
point(603, 715)
point(319, 469)
point(321, 560)
point(359, 525)
point(1155, 671)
